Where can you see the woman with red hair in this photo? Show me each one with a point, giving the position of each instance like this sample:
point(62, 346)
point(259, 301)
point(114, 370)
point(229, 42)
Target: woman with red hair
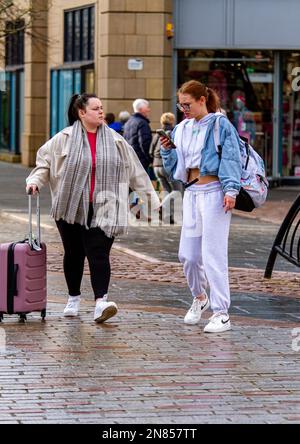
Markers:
point(208, 202)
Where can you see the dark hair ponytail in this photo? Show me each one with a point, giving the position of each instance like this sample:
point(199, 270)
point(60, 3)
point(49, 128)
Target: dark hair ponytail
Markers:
point(77, 102)
point(197, 89)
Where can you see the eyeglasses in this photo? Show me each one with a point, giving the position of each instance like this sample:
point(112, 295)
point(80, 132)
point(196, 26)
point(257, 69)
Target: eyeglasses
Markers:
point(184, 106)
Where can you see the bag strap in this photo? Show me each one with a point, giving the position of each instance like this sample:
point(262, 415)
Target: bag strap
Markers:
point(218, 143)
point(217, 136)
point(247, 151)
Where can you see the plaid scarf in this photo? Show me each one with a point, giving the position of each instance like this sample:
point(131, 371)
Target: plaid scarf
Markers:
point(72, 203)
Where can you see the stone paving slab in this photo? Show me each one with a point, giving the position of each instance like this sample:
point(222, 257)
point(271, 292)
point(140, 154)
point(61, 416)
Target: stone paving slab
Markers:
point(146, 366)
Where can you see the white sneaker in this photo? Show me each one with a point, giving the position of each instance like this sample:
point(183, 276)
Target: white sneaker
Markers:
point(193, 316)
point(104, 310)
point(218, 323)
point(72, 307)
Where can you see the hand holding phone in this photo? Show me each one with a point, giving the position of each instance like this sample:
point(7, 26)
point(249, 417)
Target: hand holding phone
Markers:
point(162, 133)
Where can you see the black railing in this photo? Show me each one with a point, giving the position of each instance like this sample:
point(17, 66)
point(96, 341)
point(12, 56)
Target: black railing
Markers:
point(287, 241)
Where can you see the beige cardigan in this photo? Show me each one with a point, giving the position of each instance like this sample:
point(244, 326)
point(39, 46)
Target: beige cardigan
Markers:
point(51, 157)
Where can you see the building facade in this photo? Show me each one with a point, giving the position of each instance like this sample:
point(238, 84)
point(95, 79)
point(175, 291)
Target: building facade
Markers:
point(115, 48)
point(248, 51)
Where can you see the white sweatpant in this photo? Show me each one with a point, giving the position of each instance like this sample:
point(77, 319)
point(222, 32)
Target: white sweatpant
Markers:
point(203, 248)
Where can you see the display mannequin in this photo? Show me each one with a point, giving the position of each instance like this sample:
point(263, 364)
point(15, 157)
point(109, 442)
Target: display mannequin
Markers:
point(243, 119)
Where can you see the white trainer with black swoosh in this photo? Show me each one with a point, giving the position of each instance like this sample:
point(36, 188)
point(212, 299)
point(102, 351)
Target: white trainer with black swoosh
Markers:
point(193, 316)
point(218, 323)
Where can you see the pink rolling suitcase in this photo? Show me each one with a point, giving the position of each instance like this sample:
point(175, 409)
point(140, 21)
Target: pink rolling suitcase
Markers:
point(23, 273)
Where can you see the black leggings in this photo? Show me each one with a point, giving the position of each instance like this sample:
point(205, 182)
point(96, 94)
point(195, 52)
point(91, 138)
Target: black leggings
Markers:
point(80, 243)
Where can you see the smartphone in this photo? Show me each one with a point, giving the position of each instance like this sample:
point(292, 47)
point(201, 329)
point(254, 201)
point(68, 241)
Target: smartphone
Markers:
point(162, 133)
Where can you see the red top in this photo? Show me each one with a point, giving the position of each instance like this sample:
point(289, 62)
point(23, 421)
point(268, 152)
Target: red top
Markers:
point(92, 140)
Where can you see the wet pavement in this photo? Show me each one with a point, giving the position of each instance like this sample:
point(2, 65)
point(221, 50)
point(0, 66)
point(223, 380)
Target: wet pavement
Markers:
point(250, 243)
point(251, 235)
point(145, 365)
point(140, 293)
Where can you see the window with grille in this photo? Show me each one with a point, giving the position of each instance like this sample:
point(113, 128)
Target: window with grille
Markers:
point(79, 34)
point(14, 43)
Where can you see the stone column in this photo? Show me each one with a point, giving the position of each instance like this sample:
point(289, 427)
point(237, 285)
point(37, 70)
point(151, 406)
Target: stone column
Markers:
point(134, 29)
point(35, 101)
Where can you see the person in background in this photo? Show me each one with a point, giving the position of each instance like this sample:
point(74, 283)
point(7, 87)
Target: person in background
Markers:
point(207, 203)
point(110, 121)
point(123, 117)
point(89, 168)
point(137, 131)
point(168, 186)
point(167, 122)
point(138, 134)
point(244, 119)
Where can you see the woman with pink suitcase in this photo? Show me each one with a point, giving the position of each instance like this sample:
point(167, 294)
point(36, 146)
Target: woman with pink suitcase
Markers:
point(89, 168)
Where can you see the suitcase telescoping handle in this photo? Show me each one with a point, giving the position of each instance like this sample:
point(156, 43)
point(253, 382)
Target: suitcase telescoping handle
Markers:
point(37, 241)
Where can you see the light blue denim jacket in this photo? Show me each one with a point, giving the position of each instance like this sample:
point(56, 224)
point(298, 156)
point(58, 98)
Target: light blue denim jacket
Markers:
point(228, 168)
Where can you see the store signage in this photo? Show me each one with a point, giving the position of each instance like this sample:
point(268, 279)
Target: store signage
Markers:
point(261, 77)
point(135, 64)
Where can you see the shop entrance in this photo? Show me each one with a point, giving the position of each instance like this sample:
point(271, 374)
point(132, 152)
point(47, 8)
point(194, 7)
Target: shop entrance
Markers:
point(291, 114)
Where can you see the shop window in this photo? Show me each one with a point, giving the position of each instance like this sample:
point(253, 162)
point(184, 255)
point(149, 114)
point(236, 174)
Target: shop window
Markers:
point(4, 113)
point(65, 83)
point(290, 116)
point(244, 81)
point(79, 34)
point(77, 73)
point(12, 111)
point(12, 88)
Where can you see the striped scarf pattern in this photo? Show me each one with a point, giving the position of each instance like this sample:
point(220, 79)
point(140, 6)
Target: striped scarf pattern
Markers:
point(72, 201)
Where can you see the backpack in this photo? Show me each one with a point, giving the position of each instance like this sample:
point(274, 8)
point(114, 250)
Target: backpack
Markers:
point(254, 184)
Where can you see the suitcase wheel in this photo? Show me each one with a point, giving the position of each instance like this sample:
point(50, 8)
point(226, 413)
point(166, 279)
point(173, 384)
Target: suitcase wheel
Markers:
point(43, 314)
point(23, 317)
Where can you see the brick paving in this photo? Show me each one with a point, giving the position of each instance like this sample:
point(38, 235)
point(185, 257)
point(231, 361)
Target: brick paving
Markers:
point(158, 370)
point(145, 365)
point(125, 266)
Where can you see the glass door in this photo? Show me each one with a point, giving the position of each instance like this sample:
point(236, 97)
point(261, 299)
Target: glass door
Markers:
point(4, 111)
point(65, 91)
point(12, 111)
point(65, 83)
